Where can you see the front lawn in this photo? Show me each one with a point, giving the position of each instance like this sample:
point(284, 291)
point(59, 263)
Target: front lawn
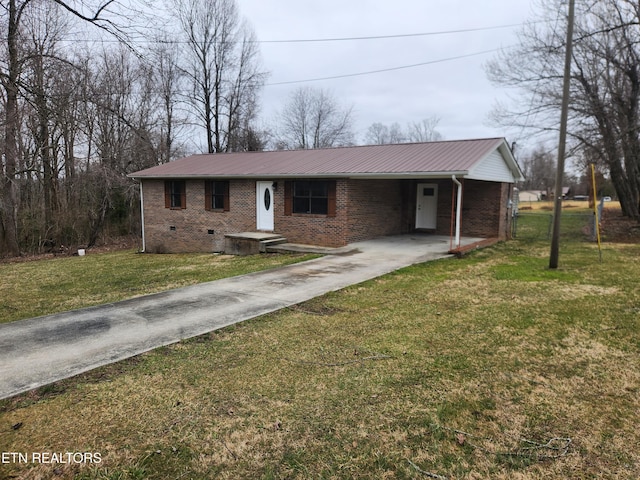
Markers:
point(34, 288)
point(490, 366)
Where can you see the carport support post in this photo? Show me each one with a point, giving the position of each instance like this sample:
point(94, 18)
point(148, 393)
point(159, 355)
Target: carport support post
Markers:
point(142, 217)
point(458, 210)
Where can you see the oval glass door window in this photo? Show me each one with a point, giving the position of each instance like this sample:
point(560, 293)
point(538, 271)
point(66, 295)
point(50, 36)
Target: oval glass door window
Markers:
point(267, 199)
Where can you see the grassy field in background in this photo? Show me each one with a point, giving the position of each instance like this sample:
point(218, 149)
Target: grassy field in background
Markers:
point(489, 366)
point(34, 288)
point(567, 206)
point(535, 219)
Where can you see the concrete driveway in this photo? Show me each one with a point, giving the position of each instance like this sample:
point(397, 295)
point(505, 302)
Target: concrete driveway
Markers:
point(42, 350)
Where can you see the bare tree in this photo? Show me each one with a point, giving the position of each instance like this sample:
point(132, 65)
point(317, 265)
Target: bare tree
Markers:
point(539, 168)
point(123, 133)
point(314, 119)
point(424, 131)
point(377, 134)
point(242, 135)
point(605, 92)
point(396, 134)
point(169, 80)
point(41, 84)
point(14, 14)
point(222, 64)
point(78, 120)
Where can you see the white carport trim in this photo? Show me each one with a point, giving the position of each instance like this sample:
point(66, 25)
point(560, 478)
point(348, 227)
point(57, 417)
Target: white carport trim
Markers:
point(142, 217)
point(458, 210)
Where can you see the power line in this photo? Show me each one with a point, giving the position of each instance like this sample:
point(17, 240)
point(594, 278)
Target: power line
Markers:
point(315, 40)
point(391, 69)
point(334, 77)
point(381, 37)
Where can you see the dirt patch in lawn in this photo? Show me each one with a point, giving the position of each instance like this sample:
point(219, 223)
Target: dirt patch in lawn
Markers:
point(617, 228)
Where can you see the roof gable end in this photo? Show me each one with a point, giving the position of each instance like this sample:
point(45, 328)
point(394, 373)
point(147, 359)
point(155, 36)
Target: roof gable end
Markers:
point(498, 165)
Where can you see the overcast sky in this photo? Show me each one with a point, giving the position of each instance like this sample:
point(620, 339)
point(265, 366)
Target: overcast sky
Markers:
point(456, 91)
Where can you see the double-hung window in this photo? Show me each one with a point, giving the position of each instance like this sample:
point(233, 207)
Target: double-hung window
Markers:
point(175, 194)
point(216, 195)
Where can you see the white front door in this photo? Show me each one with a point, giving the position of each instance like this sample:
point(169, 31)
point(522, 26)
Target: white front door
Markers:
point(264, 206)
point(427, 206)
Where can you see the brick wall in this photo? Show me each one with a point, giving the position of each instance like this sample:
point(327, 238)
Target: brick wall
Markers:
point(506, 211)
point(485, 209)
point(445, 191)
point(374, 209)
point(192, 224)
point(313, 229)
point(365, 209)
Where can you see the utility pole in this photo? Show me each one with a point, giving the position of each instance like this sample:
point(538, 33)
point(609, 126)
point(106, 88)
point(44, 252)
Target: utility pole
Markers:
point(562, 145)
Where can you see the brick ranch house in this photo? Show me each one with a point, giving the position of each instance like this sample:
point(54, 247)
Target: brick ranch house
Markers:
point(329, 197)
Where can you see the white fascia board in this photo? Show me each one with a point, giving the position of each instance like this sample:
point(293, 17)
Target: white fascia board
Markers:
point(491, 169)
point(507, 154)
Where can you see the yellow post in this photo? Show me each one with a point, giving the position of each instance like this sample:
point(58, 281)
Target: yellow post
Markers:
point(595, 209)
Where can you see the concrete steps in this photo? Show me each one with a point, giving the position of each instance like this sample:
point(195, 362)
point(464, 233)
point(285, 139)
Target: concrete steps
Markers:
point(250, 243)
point(300, 248)
point(265, 245)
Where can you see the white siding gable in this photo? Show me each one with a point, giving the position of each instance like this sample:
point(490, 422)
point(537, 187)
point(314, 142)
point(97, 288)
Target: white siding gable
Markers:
point(492, 168)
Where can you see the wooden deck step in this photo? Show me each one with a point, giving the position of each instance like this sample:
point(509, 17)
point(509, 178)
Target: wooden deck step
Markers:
point(487, 242)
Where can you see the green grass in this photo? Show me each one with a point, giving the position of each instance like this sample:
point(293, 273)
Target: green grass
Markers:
point(491, 366)
point(576, 224)
point(30, 289)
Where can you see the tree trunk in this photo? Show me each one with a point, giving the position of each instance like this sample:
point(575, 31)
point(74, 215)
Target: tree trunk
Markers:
point(43, 146)
point(9, 201)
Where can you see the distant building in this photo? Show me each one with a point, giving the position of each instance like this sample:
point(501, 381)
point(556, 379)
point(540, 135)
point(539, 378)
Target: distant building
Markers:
point(531, 195)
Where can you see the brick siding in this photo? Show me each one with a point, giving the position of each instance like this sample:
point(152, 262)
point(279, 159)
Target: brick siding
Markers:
point(192, 224)
point(374, 209)
point(485, 209)
point(365, 209)
point(313, 229)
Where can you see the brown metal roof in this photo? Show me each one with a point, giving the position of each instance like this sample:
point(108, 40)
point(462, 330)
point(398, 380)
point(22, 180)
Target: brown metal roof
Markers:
point(433, 158)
